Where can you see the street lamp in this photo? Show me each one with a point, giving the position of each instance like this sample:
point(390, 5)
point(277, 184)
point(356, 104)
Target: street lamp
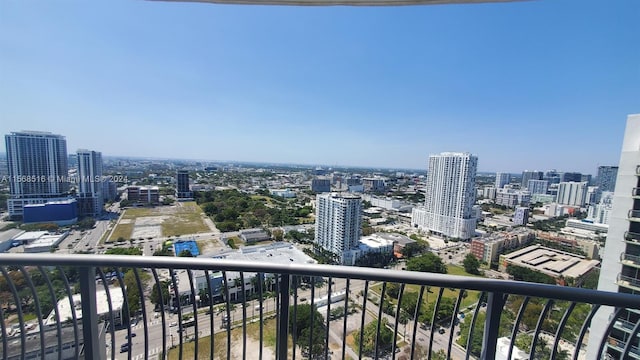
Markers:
point(171, 339)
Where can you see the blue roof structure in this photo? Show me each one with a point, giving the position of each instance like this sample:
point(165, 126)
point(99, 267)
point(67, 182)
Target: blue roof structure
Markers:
point(181, 245)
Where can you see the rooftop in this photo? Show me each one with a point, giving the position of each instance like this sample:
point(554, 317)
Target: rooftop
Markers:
point(552, 262)
point(102, 303)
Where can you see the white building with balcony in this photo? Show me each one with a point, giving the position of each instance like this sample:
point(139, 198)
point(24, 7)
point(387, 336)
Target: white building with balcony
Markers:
point(621, 256)
point(338, 225)
point(450, 196)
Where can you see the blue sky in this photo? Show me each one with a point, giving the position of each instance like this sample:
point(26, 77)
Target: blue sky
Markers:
point(529, 85)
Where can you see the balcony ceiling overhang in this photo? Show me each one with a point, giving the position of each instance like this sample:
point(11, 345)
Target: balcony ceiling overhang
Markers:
point(342, 2)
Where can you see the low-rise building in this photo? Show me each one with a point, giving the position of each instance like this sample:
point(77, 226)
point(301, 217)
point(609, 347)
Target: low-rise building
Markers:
point(45, 243)
point(376, 243)
point(284, 193)
point(586, 244)
point(489, 248)
point(542, 198)
point(385, 203)
point(252, 236)
point(114, 302)
point(38, 241)
point(61, 212)
point(143, 194)
point(277, 253)
point(587, 225)
point(566, 268)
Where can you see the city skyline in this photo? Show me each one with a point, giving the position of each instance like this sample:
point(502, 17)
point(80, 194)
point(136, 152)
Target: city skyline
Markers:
point(274, 84)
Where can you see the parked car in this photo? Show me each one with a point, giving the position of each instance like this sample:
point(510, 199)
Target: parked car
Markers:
point(124, 347)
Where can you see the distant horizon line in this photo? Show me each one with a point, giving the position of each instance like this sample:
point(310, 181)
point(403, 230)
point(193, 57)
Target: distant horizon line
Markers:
point(324, 166)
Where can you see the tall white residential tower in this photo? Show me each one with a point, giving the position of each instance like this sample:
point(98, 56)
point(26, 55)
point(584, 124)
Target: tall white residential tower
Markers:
point(338, 222)
point(621, 259)
point(572, 193)
point(450, 196)
point(90, 198)
point(502, 179)
point(37, 163)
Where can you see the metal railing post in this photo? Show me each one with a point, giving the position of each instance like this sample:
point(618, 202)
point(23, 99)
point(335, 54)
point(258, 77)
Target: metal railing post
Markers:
point(283, 316)
point(495, 303)
point(90, 332)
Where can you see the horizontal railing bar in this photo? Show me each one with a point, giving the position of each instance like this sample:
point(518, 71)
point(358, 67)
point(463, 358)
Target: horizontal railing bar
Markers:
point(362, 273)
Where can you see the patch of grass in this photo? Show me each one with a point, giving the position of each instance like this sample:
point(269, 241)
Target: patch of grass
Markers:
point(133, 213)
point(431, 294)
point(204, 347)
point(458, 270)
point(234, 242)
point(29, 316)
point(220, 341)
point(122, 230)
point(183, 223)
point(269, 332)
point(186, 218)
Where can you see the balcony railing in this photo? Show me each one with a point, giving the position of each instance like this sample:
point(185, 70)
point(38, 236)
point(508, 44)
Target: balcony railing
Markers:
point(632, 237)
point(628, 281)
point(632, 260)
point(634, 215)
point(209, 308)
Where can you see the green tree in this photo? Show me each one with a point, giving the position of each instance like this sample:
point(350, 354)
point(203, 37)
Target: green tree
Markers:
point(524, 341)
point(87, 223)
point(476, 339)
point(409, 303)
point(277, 235)
point(154, 297)
point(124, 251)
point(385, 338)
point(445, 310)
point(428, 262)
point(471, 264)
point(303, 326)
point(133, 294)
point(412, 249)
point(528, 275)
point(185, 253)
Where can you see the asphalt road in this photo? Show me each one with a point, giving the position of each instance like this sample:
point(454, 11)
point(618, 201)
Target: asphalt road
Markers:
point(173, 335)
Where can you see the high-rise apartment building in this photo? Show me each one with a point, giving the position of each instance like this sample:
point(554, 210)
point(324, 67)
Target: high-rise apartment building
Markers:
point(572, 193)
point(182, 186)
point(450, 196)
point(373, 184)
point(521, 215)
point(571, 177)
point(530, 175)
point(606, 179)
point(601, 212)
point(37, 164)
point(621, 259)
point(552, 176)
point(321, 185)
point(89, 183)
point(338, 225)
point(502, 179)
point(538, 186)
